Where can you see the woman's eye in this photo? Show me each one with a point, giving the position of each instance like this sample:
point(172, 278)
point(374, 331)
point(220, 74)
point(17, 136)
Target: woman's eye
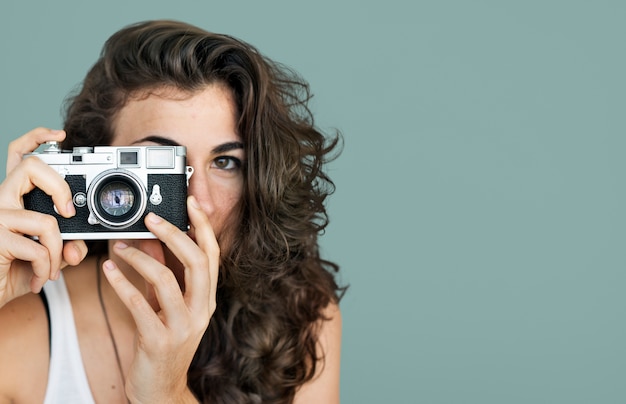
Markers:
point(227, 163)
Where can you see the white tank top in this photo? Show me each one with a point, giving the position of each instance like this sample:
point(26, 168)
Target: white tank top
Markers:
point(67, 381)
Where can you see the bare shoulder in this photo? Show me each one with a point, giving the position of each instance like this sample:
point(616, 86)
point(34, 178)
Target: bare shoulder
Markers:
point(324, 387)
point(24, 349)
point(330, 329)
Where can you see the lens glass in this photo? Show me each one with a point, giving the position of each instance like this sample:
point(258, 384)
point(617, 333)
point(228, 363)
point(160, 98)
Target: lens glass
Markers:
point(117, 198)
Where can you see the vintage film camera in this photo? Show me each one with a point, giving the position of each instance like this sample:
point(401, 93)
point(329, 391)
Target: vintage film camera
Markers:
point(114, 188)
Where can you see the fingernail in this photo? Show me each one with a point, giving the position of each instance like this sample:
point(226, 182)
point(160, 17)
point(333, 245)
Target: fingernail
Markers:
point(108, 265)
point(194, 202)
point(121, 245)
point(70, 209)
point(154, 218)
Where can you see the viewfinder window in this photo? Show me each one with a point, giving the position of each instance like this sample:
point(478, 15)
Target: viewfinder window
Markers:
point(129, 158)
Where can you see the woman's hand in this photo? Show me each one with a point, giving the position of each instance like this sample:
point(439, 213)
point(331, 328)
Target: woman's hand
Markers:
point(169, 329)
point(25, 264)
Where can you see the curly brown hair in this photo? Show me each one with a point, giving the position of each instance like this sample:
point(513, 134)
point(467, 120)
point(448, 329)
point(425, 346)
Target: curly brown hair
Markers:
point(261, 343)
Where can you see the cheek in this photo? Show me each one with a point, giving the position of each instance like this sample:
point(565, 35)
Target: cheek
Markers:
point(226, 226)
point(222, 206)
point(223, 215)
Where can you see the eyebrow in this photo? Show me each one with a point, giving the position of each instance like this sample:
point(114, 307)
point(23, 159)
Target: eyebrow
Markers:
point(226, 147)
point(164, 141)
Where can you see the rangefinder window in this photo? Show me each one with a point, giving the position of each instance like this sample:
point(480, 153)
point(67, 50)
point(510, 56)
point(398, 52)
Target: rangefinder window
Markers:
point(160, 158)
point(129, 158)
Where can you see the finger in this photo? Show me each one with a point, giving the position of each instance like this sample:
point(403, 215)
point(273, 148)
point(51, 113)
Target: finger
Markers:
point(22, 278)
point(28, 143)
point(74, 252)
point(44, 227)
point(193, 258)
point(206, 240)
point(17, 247)
point(33, 173)
point(151, 298)
point(168, 293)
point(146, 320)
point(153, 248)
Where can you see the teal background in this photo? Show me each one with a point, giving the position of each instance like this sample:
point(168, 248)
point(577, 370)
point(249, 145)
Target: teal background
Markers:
point(479, 216)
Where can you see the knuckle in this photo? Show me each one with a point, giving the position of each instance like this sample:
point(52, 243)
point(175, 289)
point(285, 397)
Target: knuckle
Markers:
point(158, 342)
point(165, 277)
point(166, 346)
point(116, 281)
point(64, 189)
point(184, 334)
point(40, 253)
point(137, 301)
point(200, 261)
point(48, 222)
point(131, 253)
point(31, 162)
point(13, 145)
point(170, 230)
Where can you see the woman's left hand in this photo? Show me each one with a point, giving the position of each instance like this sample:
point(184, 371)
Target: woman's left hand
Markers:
point(168, 332)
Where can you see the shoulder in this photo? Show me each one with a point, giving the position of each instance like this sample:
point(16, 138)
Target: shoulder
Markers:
point(324, 387)
point(24, 348)
point(23, 321)
point(330, 335)
point(329, 343)
point(330, 327)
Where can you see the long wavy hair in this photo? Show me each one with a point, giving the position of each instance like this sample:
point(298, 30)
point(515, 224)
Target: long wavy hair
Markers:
point(261, 343)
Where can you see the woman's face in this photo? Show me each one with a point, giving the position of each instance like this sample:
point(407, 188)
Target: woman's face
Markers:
point(204, 122)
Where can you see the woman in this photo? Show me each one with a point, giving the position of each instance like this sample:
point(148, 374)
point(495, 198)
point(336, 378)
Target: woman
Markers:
point(239, 309)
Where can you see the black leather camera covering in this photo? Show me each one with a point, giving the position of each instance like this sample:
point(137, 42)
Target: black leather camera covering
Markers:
point(173, 208)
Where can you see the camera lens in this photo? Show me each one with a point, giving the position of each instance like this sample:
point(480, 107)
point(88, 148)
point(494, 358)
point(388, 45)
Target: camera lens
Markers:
point(117, 199)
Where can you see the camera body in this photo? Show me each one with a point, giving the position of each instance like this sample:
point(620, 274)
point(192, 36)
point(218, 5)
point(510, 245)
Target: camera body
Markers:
point(115, 187)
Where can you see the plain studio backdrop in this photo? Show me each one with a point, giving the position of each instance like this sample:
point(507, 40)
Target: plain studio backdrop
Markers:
point(479, 212)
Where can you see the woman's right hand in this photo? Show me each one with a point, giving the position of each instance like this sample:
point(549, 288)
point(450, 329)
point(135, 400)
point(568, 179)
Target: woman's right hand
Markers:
point(26, 264)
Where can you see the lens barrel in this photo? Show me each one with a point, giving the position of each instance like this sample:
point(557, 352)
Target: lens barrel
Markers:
point(116, 198)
